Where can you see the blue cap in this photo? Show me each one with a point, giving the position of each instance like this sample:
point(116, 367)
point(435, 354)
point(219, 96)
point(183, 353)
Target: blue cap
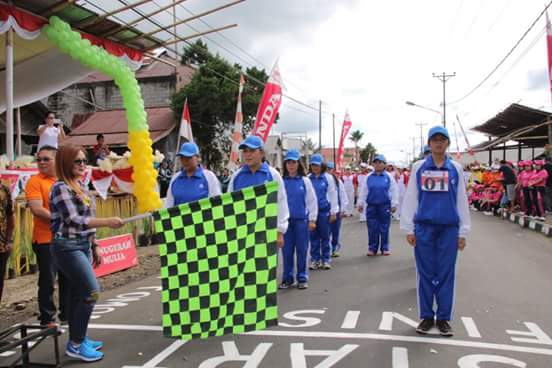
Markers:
point(293, 155)
point(380, 158)
point(439, 129)
point(188, 149)
point(330, 165)
point(252, 142)
point(316, 159)
point(427, 149)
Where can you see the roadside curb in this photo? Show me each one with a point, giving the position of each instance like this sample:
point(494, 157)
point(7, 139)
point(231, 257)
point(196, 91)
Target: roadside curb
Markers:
point(525, 222)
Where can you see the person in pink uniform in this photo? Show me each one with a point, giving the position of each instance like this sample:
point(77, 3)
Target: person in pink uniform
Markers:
point(524, 177)
point(537, 183)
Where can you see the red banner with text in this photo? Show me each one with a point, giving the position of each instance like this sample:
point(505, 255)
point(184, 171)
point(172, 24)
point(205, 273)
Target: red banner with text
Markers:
point(269, 105)
point(117, 253)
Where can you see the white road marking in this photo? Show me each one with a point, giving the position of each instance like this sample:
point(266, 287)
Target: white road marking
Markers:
point(400, 358)
point(161, 356)
point(7, 353)
point(356, 335)
point(351, 319)
point(471, 328)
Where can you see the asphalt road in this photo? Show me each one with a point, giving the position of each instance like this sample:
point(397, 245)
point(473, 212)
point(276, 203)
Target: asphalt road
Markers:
point(362, 312)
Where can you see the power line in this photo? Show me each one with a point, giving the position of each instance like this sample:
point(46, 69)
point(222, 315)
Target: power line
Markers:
point(505, 57)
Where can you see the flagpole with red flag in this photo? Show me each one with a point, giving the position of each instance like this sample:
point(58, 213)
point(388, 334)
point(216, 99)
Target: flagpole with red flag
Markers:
point(549, 51)
point(238, 126)
point(347, 124)
point(185, 129)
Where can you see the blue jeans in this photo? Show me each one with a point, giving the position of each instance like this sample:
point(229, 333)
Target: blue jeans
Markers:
point(73, 259)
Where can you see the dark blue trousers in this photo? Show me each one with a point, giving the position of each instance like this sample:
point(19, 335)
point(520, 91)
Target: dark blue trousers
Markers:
point(435, 252)
point(335, 231)
point(378, 220)
point(320, 239)
point(296, 241)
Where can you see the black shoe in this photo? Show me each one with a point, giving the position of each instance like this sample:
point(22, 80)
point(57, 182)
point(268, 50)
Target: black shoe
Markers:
point(425, 326)
point(444, 328)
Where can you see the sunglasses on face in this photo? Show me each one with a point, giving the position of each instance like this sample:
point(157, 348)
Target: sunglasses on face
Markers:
point(43, 159)
point(79, 162)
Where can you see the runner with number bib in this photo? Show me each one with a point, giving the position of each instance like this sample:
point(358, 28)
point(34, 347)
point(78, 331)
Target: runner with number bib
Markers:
point(435, 215)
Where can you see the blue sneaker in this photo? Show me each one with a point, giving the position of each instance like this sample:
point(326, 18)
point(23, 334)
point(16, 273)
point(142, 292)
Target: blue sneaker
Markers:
point(94, 344)
point(84, 352)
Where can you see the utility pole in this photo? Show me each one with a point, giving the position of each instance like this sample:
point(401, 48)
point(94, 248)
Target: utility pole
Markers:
point(320, 126)
point(421, 125)
point(333, 128)
point(413, 146)
point(444, 79)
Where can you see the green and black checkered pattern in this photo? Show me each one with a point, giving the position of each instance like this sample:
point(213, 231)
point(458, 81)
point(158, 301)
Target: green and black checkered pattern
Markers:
point(218, 264)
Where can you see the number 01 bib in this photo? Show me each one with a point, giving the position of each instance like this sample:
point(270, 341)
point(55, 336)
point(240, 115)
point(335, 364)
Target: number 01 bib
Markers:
point(435, 181)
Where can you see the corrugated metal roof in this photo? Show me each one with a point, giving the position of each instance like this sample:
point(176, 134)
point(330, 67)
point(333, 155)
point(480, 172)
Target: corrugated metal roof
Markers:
point(153, 70)
point(516, 123)
point(113, 125)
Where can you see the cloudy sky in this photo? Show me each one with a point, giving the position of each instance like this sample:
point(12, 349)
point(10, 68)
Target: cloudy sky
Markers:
point(370, 57)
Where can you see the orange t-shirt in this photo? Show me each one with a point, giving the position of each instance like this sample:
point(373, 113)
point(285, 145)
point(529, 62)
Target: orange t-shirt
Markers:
point(38, 188)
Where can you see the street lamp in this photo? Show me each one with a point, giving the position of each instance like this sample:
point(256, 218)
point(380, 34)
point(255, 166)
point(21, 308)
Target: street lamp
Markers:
point(410, 103)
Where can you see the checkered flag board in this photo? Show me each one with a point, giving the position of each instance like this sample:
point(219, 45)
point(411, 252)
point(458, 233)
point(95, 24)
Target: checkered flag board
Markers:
point(218, 264)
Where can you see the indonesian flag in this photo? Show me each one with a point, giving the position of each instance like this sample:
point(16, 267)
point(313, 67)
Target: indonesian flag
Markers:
point(470, 150)
point(549, 49)
point(347, 124)
point(237, 135)
point(186, 123)
point(270, 104)
point(458, 154)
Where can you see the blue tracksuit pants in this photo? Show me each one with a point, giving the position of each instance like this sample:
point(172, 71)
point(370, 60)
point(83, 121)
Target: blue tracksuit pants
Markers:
point(320, 239)
point(435, 252)
point(378, 220)
point(335, 230)
point(296, 241)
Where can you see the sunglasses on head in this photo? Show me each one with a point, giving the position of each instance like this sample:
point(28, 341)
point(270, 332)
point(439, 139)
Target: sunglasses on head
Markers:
point(81, 162)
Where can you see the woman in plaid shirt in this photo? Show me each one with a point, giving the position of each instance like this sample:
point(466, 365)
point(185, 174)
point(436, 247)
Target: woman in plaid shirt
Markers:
point(73, 224)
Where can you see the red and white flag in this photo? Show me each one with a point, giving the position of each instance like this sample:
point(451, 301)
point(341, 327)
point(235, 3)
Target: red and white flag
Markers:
point(186, 123)
point(458, 153)
point(470, 150)
point(347, 124)
point(269, 105)
point(237, 135)
point(549, 49)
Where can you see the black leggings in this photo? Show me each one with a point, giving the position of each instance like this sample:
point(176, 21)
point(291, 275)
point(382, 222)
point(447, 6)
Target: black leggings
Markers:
point(528, 202)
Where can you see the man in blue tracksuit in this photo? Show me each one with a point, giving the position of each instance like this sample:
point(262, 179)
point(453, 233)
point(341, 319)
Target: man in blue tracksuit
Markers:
point(303, 212)
point(326, 194)
point(193, 182)
point(435, 215)
point(342, 203)
point(380, 197)
point(256, 172)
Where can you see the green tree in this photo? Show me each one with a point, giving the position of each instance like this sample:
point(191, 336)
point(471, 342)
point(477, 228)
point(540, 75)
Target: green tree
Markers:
point(367, 153)
point(355, 137)
point(212, 95)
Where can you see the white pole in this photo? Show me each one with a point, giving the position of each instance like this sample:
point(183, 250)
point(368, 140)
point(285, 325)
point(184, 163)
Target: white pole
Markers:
point(9, 95)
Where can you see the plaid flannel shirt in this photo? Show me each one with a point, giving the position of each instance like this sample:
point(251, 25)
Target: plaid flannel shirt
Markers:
point(70, 214)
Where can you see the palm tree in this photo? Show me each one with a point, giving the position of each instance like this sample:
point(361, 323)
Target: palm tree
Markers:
point(355, 137)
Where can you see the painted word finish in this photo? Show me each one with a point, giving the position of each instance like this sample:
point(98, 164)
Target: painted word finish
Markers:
point(306, 318)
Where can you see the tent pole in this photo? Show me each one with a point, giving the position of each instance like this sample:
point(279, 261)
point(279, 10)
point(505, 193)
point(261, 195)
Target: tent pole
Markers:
point(18, 132)
point(9, 95)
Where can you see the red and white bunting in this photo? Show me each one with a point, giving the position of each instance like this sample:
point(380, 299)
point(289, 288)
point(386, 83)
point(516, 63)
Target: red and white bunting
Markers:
point(347, 124)
point(270, 104)
point(238, 125)
point(186, 123)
